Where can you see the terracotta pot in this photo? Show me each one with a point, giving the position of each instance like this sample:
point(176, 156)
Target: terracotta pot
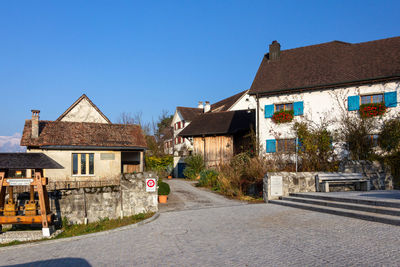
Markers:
point(169, 176)
point(162, 198)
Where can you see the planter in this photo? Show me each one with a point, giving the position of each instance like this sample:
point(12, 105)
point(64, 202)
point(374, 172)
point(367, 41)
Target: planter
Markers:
point(372, 110)
point(169, 177)
point(162, 198)
point(283, 116)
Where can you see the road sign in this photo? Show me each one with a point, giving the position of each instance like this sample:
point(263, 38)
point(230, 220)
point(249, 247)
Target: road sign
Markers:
point(151, 185)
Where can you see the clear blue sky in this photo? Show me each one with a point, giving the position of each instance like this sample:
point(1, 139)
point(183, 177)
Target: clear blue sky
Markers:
point(148, 56)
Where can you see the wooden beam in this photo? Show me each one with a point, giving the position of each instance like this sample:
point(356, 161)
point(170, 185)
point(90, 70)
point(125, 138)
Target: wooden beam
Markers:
point(44, 180)
point(22, 219)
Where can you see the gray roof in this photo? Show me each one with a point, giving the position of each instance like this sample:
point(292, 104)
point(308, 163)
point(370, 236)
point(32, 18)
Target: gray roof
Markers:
point(27, 161)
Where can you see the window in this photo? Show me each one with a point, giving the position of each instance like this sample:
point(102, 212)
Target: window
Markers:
point(368, 99)
point(374, 139)
point(183, 124)
point(282, 107)
point(179, 124)
point(82, 164)
point(286, 145)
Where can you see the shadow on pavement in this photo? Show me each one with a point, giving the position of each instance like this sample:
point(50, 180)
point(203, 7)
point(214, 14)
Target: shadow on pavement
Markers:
point(56, 262)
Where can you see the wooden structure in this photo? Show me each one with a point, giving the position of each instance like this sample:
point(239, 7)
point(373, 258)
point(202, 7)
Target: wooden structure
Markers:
point(219, 136)
point(215, 149)
point(32, 212)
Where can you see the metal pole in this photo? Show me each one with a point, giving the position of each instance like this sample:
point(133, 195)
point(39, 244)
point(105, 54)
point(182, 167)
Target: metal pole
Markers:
point(297, 147)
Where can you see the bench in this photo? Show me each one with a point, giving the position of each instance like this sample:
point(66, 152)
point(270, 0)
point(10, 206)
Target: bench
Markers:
point(360, 181)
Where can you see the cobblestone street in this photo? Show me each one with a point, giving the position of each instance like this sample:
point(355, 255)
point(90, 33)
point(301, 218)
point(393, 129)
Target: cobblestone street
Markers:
point(235, 235)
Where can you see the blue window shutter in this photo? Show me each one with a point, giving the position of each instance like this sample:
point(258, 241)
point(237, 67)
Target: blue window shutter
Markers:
point(269, 111)
point(390, 99)
point(271, 146)
point(353, 102)
point(298, 108)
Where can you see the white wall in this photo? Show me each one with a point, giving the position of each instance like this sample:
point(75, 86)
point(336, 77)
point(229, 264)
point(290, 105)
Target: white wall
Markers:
point(245, 102)
point(84, 112)
point(319, 106)
point(103, 169)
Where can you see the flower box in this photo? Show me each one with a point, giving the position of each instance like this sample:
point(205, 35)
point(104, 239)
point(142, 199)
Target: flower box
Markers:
point(372, 110)
point(283, 116)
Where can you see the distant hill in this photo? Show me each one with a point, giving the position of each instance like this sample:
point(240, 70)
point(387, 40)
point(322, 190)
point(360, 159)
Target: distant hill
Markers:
point(11, 143)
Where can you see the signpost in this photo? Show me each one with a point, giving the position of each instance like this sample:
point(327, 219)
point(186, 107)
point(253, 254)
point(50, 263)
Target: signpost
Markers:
point(151, 185)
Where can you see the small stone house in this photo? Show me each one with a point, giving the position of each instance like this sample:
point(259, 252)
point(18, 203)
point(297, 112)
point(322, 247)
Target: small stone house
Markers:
point(85, 142)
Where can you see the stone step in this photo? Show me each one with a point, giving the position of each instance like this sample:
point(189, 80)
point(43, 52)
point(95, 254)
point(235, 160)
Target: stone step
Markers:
point(369, 216)
point(343, 205)
point(362, 201)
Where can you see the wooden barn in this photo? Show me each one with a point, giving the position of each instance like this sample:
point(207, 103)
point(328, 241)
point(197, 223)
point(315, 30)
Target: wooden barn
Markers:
point(219, 136)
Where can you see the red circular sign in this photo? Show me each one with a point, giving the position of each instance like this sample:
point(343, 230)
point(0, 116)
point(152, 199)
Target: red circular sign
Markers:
point(150, 183)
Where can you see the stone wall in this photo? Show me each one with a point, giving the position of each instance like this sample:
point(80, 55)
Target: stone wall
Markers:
point(292, 182)
point(378, 174)
point(127, 199)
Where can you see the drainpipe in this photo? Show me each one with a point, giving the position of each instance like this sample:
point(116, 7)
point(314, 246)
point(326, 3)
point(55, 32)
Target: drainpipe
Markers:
point(258, 125)
point(85, 220)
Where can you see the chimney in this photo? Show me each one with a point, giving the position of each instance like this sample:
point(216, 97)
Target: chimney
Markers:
point(35, 123)
point(207, 107)
point(274, 51)
point(200, 105)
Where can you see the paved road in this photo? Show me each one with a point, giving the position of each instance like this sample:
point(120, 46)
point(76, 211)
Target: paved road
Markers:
point(228, 235)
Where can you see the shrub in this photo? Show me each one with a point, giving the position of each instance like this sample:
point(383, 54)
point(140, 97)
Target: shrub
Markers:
point(209, 178)
point(194, 165)
point(163, 189)
point(315, 150)
point(389, 138)
point(160, 165)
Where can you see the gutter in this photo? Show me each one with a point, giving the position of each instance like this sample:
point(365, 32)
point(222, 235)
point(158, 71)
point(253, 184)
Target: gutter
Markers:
point(93, 148)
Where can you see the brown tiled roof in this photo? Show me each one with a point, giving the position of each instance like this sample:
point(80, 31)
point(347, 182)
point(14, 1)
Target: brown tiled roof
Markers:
point(327, 65)
point(27, 161)
point(77, 102)
point(189, 114)
point(227, 103)
point(60, 133)
point(226, 122)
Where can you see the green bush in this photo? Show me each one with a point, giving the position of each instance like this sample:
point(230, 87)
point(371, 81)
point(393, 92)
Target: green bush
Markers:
point(163, 189)
point(194, 165)
point(161, 165)
point(209, 178)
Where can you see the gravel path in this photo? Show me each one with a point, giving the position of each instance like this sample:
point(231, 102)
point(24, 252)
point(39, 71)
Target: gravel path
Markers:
point(225, 235)
point(185, 196)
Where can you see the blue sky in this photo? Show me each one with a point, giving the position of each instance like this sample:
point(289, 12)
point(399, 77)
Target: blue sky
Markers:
point(151, 56)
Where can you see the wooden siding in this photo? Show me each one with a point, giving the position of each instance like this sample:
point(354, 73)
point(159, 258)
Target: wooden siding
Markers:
point(217, 149)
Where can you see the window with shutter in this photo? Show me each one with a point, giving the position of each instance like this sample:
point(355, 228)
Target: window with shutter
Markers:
point(271, 146)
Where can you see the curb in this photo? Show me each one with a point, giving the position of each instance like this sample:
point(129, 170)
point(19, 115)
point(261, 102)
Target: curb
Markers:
point(76, 238)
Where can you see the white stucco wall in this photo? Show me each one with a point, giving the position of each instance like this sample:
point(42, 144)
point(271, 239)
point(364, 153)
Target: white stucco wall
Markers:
point(327, 106)
point(245, 102)
point(103, 169)
point(84, 112)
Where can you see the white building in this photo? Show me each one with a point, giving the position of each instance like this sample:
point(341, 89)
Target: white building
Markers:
point(320, 83)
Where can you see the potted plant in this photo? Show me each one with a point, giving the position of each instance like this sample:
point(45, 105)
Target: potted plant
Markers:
point(163, 192)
